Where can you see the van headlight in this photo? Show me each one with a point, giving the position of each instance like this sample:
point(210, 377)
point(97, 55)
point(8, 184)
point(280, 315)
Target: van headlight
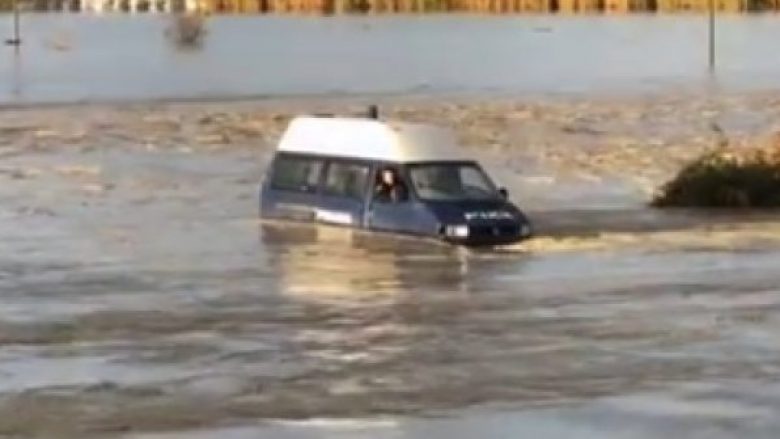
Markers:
point(457, 231)
point(525, 230)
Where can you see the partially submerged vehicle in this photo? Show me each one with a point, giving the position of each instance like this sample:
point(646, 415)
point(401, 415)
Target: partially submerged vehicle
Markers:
point(390, 177)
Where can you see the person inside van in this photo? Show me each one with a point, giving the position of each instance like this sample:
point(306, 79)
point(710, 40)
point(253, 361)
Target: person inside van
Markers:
point(389, 188)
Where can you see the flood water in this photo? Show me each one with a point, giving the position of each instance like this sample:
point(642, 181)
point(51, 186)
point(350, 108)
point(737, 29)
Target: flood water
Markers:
point(69, 57)
point(141, 298)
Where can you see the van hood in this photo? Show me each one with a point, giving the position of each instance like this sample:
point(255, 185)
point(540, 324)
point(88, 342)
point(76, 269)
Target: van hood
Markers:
point(475, 211)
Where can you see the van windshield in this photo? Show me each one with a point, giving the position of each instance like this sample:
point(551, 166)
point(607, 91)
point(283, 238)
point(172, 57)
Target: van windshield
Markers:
point(451, 182)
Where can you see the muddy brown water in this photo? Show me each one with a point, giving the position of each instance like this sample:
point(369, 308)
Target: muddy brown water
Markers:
point(141, 298)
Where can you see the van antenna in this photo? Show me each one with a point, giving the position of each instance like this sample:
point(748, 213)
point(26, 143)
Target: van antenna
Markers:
point(373, 111)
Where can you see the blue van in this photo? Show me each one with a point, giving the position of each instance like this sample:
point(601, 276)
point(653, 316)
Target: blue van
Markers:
point(390, 177)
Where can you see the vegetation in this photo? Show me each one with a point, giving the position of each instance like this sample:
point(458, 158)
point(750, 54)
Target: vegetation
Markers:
point(726, 179)
point(761, 5)
point(407, 6)
point(188, 30)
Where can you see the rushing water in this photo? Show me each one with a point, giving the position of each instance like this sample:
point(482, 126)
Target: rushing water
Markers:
point(139, 297)
point(69, 57)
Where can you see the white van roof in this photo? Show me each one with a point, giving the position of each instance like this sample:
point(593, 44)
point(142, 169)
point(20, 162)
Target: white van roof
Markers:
point(370, 139)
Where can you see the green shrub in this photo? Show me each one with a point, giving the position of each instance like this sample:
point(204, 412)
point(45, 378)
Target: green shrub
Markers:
point(721, 179)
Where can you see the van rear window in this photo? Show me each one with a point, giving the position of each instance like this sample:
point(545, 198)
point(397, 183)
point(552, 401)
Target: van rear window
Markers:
point(296, 174)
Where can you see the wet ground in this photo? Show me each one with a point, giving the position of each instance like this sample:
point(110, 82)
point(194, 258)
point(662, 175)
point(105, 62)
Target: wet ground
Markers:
point(141, 298)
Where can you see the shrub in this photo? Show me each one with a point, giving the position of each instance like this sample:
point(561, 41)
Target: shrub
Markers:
point(725, 179)
point(188, 30)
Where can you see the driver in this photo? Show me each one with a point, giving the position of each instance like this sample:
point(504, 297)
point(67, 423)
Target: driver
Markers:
point(389, 187)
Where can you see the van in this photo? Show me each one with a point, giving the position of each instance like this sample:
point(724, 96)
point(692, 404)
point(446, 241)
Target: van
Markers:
point(389, 177)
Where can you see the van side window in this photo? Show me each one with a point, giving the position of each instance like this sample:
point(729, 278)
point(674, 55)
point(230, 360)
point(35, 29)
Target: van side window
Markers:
point(296, 174)
point(346, 180)
point(389, 186)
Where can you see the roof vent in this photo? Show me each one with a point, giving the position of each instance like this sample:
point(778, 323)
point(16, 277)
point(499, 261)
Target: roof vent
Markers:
point(373, 112)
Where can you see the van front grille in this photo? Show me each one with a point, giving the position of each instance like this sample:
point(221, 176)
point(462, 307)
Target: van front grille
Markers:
point(486, 231)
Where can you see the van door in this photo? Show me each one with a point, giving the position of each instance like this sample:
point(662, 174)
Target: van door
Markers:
point(343, 194)
point(397, 212)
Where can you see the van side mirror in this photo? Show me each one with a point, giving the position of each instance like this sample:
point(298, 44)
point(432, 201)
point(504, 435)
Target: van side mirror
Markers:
point(504, 193)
